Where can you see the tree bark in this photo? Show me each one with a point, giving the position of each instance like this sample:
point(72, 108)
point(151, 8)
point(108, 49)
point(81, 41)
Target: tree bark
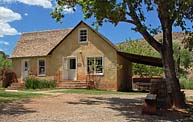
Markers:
point(173, 85)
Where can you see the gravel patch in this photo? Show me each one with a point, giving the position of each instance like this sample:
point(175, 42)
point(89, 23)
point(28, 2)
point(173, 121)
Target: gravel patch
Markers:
point(82, 108)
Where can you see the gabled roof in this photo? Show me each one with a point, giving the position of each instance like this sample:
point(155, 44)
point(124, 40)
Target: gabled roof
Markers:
point(43, 43)
point(81, 22)
point(38, 43)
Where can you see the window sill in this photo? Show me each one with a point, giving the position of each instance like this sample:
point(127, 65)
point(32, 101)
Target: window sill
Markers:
point(41, 75)
point(99, 74)
point(84, 42)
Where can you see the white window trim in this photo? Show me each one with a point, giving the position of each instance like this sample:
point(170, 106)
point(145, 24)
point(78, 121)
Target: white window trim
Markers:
point(102, 65)
point(38, 67)
point(79, 35)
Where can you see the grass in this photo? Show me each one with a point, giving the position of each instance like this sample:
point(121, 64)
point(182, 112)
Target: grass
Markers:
point(186, 83)
point(97, 92)
point(189, 98)
point(34, 83)
point(13, 96)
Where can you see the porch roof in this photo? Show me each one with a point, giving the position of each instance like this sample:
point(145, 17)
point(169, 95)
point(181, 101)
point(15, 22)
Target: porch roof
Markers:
point(152, 61)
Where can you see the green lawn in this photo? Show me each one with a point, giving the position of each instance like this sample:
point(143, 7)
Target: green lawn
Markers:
point(12, 96)
point(98, 92)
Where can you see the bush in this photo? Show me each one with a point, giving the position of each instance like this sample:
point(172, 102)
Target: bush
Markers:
point(186, 83)
point(34, 83)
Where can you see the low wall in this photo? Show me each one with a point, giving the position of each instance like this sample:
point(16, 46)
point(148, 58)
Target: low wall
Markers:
point(143, 83)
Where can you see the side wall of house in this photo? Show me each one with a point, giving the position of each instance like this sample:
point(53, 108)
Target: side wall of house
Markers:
point(124, 74)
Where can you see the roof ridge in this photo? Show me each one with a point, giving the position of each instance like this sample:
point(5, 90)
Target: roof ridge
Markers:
point(44, 31)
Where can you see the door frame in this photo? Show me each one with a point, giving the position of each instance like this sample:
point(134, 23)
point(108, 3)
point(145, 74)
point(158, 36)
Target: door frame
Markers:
point(22, 67)
point(68, 66)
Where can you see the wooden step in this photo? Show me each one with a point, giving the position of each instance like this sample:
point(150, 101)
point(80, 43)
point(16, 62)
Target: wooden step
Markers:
point(16, 86)
point(72, 84)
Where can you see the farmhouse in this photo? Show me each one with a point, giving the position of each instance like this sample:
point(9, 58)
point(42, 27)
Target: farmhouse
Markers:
point(78, 54)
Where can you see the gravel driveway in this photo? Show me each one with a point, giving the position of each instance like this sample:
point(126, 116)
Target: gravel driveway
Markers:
point(82, 108)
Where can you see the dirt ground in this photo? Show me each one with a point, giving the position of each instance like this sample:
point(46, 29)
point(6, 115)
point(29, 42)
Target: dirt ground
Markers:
point(84, 108)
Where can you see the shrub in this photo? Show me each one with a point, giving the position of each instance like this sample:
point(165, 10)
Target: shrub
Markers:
point(34, 83)
point(186, 83)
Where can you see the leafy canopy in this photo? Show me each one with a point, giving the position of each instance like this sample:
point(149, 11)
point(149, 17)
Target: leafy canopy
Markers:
point(131, 11)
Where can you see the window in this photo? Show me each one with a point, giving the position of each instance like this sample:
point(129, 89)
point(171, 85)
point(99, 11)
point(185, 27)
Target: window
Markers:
point(26, 66)
point(95, 65)
point(72, 63)
point(41, 67)
point(83, 35)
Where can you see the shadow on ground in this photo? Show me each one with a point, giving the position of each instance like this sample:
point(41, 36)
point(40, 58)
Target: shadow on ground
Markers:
point(15, 108)
point(131, 109)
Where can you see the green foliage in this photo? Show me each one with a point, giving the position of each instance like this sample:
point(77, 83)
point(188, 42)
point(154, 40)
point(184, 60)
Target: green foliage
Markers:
point(186, 83)
point(4, 62)
point(138, 47)
point(188, 41)
point(142, 48)
point(185, 56)
point(129, 11)
point(146, 71)
point(34, 83)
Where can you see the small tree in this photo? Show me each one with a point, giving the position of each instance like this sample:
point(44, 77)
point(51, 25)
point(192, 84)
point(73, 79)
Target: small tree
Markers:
point(4, 64)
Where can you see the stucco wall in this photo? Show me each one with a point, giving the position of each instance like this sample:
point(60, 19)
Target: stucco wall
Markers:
point(124, 74)
point(33, 68)
point(96, 46)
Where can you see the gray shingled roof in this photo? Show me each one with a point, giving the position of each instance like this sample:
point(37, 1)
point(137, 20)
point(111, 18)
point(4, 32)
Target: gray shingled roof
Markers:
point(38, 43)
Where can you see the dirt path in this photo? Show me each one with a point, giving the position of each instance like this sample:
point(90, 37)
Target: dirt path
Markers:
point(188, 92)
point(82, 108)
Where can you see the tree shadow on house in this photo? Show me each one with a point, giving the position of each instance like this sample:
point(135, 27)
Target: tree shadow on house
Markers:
point(15, 108)
point(131, 109)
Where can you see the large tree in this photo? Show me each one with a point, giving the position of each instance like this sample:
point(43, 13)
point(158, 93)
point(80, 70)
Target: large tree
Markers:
point(169, 13)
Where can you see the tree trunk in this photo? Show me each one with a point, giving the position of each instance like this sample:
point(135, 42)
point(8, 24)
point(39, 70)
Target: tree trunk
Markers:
point(173, 85)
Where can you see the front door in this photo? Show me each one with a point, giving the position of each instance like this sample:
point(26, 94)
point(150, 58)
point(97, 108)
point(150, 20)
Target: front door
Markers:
point(72, 68)
point(25, 68)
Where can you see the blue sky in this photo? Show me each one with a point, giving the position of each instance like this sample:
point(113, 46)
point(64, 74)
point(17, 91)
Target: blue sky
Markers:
point(18, 16)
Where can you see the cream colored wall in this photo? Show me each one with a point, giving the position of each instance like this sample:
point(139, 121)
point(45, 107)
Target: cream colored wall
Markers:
point(96, 46)
point(17, 67)
point(124, 74)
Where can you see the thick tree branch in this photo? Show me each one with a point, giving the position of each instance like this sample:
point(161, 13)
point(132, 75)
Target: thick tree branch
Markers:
point(129, 21)
point(148, 37)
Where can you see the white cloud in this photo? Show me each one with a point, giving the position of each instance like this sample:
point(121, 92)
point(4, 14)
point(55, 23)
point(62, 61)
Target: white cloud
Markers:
point(6, 16)
point(68, 10)
point(4, 43)
point(42, 3)
point(6, 29)
point(26, 14)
